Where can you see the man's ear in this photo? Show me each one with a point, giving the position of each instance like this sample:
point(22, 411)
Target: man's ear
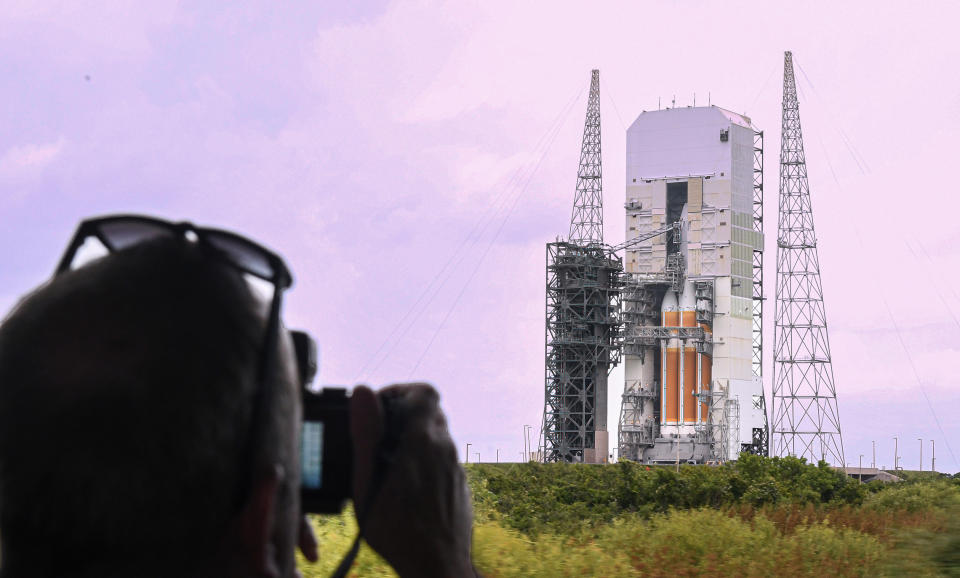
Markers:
point(256, 523)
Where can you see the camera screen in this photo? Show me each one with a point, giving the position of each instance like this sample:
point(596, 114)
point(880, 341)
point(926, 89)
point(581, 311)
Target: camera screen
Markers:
point(311, 455)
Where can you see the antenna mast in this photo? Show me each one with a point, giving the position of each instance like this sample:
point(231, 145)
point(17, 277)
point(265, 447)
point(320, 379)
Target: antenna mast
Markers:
point(806, 422)
point(586, 223)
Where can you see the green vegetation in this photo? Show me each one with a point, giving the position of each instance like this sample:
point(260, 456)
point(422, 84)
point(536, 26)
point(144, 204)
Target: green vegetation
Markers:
point(758, 517)
point(566, 499)
point(335, 534)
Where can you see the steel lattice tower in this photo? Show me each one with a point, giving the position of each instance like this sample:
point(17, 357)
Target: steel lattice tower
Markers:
point(582, 316)
point(806, 422)
point(586, 223)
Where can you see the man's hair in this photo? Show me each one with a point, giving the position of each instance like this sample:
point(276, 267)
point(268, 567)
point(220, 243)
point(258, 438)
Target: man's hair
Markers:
point(126, 390)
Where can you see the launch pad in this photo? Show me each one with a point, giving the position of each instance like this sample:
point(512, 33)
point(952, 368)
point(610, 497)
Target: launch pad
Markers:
point(683, 308)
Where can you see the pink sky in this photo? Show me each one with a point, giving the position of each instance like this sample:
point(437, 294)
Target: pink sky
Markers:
point(372, 145)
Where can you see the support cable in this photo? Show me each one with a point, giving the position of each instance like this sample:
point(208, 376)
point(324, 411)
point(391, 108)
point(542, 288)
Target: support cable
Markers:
point(854, 152)
point(486, 251)
point(607, 92)
point(886, 305)
point(934, 268)
point(473, 237)
point(939, 294)
point(913, 366)
point(773, 70)
point(916, 376)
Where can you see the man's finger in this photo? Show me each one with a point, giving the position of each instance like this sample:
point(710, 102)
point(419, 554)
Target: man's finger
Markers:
point(366, 429)
point(307, 541)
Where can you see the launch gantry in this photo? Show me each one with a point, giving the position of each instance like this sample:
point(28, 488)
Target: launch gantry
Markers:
point(582, 315)
point(685, 314)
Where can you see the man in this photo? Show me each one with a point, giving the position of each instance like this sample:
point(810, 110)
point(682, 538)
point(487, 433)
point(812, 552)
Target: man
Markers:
point(149, 422)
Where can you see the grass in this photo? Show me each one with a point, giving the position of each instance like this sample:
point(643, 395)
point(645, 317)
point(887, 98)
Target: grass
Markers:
point(762, 517)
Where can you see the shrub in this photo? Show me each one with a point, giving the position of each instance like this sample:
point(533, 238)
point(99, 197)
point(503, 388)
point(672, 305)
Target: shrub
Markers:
point(915, 496)
point(567, 498)
point(758, 517)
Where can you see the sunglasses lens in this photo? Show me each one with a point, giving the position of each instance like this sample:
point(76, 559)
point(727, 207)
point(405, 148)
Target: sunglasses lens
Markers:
point(115, 236)
point(264, 271)
point(244, 255)
point(90, 250)
point(123, 234)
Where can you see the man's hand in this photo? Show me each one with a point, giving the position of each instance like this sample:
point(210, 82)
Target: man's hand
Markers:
point(420, 520)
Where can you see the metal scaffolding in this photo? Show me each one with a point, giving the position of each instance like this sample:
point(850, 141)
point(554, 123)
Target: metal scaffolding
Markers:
point(806, 421)
point(583, 343)
point(583, 314)
point(759, 442)
point(758, 255)
point(636, 431)
point(730, 433)
point(641, 308)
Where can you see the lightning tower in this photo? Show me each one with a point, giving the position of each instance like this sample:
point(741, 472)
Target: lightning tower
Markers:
point(582, 315)
point(586, 222)
point(806, 422)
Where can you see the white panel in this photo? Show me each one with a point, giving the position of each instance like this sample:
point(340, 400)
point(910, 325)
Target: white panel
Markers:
point(716, 192)
point(678, 142)
point(693, 261)
point(638, 194)
point(709, 261)
point(741, 140)
point(722, 286)
point(695, 194)
point(741, 307)
point(721, 367)
point(722, 304)
point(721, 326)
point(723, 226)
point(645, 225)
point(632, 368)
point(649, 190)
point(708, 227)
point(658, 191)
point(658, 262)
point(644, 260)
point(745, 390)
point(694, 228)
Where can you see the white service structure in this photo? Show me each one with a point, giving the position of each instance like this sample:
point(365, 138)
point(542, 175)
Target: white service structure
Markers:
point(692, 388)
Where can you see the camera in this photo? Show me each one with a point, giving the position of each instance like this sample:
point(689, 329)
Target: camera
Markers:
point(326, 449)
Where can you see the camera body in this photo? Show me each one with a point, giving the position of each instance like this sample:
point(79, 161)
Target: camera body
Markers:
point(326, 448)
point(326, 451)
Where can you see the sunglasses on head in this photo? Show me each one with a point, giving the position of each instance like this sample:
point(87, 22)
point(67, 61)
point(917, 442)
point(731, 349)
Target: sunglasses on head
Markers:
point(119, 232)
point(99, 237)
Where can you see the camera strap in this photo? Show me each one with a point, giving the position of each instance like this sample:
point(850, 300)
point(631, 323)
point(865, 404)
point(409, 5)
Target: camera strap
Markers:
point(379, 473)
point(384, 460)
point(348, 559)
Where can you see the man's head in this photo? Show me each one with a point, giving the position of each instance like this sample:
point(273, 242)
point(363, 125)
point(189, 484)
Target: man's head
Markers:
point(126, 394)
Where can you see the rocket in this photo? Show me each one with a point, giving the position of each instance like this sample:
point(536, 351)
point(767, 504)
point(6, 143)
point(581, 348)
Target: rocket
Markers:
point(685, 373)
